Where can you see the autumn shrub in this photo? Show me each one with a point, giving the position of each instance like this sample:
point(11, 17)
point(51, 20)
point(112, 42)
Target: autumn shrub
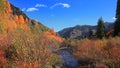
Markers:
point(3, 62)
point(105, 51)
point(1, 28)
point(25, 49)
point(2, 6)
point(3, 44)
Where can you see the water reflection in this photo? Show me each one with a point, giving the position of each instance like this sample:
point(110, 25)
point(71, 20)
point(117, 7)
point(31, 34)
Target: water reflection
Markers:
point(68, 59)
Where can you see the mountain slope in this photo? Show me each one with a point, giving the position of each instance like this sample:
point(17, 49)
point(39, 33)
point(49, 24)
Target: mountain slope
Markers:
point(81, 31)
point(12, 18)
point(25, 43)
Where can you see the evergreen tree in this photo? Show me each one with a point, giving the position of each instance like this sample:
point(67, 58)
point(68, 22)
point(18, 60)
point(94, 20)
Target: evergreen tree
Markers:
point(117, 22)
point(100, 29)
point(117, 27)
point(118, 9)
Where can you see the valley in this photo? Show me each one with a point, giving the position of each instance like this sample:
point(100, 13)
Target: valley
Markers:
point(27, 43)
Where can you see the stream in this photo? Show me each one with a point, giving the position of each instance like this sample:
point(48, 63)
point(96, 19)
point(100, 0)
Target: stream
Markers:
point(68, 59)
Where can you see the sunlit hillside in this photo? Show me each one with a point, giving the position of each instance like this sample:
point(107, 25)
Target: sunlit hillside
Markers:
point(25, 43)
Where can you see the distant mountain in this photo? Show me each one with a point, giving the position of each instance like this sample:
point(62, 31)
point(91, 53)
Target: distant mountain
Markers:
point(79, 31)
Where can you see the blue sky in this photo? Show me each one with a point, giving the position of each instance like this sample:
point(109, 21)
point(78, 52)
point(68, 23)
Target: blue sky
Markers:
point(59, 14)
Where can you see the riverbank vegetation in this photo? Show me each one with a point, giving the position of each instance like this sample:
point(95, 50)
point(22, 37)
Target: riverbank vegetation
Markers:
point(24, 49)
point(104, 51)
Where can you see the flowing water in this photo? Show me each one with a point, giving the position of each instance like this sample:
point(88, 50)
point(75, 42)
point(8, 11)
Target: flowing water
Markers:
point(68, 59)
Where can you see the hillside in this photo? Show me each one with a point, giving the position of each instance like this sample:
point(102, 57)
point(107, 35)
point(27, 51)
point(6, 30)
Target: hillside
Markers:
point(14, 17)
point(79, 31)
point(25, 43)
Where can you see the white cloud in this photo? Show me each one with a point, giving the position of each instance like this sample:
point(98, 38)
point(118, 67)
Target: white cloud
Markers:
point(65, 5)
point(35, 8)
point(40, 5)
point(32, 9)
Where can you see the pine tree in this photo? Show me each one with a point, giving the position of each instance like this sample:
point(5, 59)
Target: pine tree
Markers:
point(118, 9)
point(117, 27)
point(100, 29)
point(117, 22)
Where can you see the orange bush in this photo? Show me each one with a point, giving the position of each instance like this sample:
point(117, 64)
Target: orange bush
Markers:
point(3, 61)
point(52, 35)
point(21, 20)
point(26, 20)
point(8, 8)
point(35, 64)
point(25, 65)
